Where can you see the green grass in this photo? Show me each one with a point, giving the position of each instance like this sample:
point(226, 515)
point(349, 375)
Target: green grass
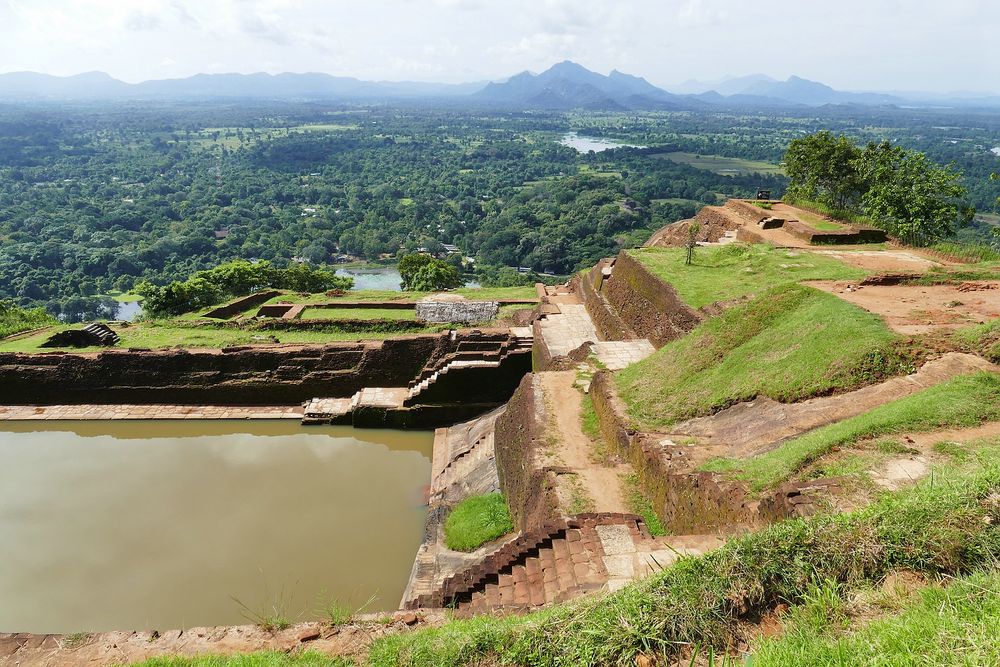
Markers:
point(789, 343)
point(358, 314)
point(941, 526)
point(639, 503)
point(968, 251)
point(952, 625)
point(967, 400)
point(157, 334)
point(16, 320)
point(982, 339)
point(257, 659)
point(737, 269)
point(719, 164)
point(471, 293)
point(477, 520)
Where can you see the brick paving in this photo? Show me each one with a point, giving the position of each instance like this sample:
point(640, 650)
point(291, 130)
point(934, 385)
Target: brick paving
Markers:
point(159, 411)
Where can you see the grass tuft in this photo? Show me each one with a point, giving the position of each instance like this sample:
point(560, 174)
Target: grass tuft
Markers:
point(257, 659)
point(477, 520)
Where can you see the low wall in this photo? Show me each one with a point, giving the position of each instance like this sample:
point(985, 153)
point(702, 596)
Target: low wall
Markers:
point(469, 312)
point(649, 306)
point(609, 325)
point(234, 308)
point(747, 211)
point(248, 375)
point(850, 235)
point(685, 500)
point(518, 437)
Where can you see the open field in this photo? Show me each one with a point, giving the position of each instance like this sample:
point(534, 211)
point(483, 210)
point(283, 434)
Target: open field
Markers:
point(735, 270)
point(720, 165)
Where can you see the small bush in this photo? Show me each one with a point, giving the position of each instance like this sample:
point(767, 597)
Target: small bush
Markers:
point(477, 520)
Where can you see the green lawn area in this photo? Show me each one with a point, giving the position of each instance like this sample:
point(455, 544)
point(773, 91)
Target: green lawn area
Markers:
point(358, 314)
point(789, 343)
point(966, 400)
point(953, 624)
point(734, 270)
point(477, 520)
point(163, 334)
point(719, 164)
point(16, 320)
point(471, 293)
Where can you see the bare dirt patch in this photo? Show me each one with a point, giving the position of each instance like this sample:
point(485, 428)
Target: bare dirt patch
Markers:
point(882, 261)
point(574, 450)
point(915, 309)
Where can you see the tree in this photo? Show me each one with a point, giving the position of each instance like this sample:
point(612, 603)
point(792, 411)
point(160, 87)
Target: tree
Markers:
point(423, 273)
point(909, 196)
point(691, 243)
point(824, 169)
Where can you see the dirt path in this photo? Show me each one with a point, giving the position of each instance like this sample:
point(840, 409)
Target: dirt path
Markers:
point(575, 449)
point(914, 309)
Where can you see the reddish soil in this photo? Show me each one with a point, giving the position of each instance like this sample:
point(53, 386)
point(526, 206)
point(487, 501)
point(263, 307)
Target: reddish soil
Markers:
point(118, 648)
point(882, 261)
point(915, 309)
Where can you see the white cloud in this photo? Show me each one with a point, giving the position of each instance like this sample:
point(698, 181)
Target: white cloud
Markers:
point(849, 44)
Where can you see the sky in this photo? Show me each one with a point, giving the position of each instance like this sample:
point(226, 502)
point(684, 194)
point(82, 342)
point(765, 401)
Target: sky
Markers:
point(891, 45)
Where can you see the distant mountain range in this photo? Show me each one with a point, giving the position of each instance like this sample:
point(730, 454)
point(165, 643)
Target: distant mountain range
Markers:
point(563, 86)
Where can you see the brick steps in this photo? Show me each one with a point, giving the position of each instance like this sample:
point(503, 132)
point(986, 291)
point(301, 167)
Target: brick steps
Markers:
point(464, 359)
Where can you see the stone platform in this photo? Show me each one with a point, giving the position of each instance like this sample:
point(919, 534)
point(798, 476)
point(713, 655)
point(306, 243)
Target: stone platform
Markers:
point(136, 411)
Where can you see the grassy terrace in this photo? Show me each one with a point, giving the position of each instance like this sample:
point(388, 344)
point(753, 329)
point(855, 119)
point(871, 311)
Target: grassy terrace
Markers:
point(471, 293)
point(164, 334)
point(967, 400)
point(735, 270)
point(944, 526)
point(789, 343)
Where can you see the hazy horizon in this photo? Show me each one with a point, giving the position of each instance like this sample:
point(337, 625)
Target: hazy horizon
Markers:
point(855, 45)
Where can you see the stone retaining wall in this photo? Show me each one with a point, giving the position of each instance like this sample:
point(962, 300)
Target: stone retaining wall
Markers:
point(609, 325)
point(747, 211)
point(850, 235)
point(234, 308)
point(649, 306)
point(469, 312)
point(518, 437)
point(685, 500)
point(247, 375)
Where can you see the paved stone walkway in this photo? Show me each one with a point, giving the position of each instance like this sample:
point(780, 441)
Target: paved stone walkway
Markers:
point(618, 354)
point(568, 330)
point(160, 411)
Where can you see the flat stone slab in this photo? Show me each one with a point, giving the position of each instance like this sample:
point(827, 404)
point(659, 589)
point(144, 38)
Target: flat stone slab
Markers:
point(569, 330)
point(381, 397)
point(158, 411)
point(618, 354)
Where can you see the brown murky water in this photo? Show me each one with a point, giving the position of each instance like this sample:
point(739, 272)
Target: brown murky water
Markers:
point(156, 525)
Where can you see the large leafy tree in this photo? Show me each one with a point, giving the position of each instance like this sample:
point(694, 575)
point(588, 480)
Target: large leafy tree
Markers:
point(423, 273)
point(909, 196)
point(823, 168)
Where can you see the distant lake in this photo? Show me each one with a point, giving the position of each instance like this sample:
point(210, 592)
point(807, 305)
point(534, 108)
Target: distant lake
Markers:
point(380, 278)
point(584, 144)
point(128, 310)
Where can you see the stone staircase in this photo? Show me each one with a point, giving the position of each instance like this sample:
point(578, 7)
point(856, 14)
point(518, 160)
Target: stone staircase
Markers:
point(102, 334)
point(552, 564)
point(478, 354)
